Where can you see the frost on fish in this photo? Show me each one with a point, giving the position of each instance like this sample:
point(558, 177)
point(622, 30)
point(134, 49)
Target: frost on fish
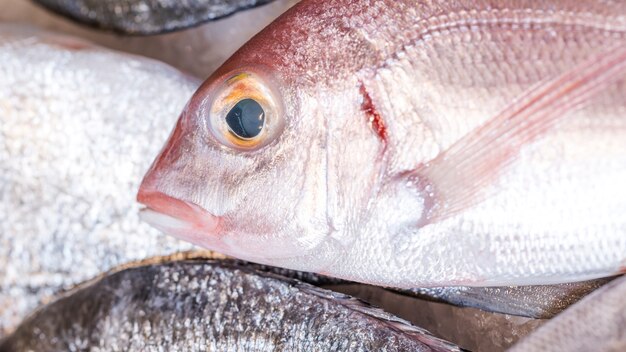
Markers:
point(147, 16)
point(596, 323)
point(79, 126)
point(217, 306)
point(501, 161)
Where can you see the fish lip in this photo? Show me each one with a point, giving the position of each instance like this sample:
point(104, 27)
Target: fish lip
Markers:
point(161, 209)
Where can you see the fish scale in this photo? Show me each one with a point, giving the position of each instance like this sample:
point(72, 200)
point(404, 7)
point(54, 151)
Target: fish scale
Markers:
point(147, 16)
point(429, 104)
point(596, 323)
point(216, 306)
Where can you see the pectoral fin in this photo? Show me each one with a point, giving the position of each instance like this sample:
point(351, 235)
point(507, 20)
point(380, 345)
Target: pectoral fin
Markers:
point(457, 177)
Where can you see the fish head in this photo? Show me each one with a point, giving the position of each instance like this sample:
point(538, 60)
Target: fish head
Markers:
point(243, 172)
point(272, 160)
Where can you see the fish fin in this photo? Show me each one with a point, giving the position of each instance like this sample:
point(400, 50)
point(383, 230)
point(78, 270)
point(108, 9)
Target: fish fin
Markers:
point(457, 177)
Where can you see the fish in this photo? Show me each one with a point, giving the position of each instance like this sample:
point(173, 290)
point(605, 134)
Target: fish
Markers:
point(212, 305)
point(147, 17)
point(403, 144)
point(57, 229)
point(79, 125)
point(197, 51)
point(538, 302)
point(469, 328)
point(596, 323)
point(535, 302)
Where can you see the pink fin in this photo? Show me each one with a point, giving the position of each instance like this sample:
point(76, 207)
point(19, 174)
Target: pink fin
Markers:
point(454, 180)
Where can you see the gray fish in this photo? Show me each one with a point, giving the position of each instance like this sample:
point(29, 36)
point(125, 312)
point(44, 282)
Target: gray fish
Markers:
point(147, 16)
point(214, 305)
point(596, 323)
point(78, 127)
point(540, 302)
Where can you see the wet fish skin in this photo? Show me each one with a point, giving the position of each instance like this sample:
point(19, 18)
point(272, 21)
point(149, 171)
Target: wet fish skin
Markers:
point(143, 17)
point(393, 141)
point(218, 306)
point(539, 302)
point(78, 127)
point(596, 323)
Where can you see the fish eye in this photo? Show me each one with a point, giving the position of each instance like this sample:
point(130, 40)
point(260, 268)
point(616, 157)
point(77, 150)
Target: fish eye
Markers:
point(246, 119)
point(245, 113)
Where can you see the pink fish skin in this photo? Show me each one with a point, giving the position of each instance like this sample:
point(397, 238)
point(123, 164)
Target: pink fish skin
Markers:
point(407, 144)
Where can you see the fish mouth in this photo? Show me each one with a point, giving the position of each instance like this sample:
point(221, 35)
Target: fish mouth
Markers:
point(175, 216)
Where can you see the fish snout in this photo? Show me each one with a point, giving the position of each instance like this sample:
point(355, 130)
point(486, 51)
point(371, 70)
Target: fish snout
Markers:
point(177, 217)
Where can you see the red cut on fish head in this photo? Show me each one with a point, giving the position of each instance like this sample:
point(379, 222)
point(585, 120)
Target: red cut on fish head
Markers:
point(257, 164)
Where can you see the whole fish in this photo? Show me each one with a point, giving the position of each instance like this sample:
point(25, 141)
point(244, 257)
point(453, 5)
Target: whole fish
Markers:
point(147, 16)
point(79, 125)
point(216, 306)
point(596, 323)
point(411, 144)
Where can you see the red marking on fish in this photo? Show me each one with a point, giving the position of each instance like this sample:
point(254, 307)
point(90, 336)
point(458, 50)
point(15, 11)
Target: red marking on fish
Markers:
point(375, 121)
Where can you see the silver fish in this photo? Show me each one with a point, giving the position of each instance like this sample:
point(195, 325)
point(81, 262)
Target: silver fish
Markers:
point(216, 306)
point(78, 127)
point(147, 16)
point(406, 144)
point(596, 323)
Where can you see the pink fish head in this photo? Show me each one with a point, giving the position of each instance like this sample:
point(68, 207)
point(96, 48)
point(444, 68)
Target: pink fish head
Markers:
point(220, 180)
point(244, 171)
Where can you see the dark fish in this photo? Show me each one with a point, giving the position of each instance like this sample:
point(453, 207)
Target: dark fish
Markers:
point(540, 302)
point(596, 323)
point(213, 305)
point(147, 16)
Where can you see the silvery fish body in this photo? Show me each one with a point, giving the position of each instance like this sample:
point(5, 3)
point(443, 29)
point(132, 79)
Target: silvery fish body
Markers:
point(212, 306)
point(596, 323)
point(411, 144)
point(147, 16)
point(78, 127)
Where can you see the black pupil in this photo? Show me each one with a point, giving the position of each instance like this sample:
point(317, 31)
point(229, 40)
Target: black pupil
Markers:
point(246, 119)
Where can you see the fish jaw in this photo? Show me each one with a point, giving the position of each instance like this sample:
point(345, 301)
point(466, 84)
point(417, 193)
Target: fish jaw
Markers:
point(178, 218)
